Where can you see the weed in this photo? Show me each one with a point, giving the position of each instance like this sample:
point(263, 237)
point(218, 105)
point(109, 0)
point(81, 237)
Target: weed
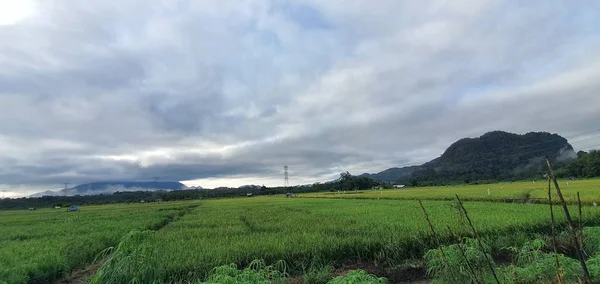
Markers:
point(317, 275)
point(358, 276)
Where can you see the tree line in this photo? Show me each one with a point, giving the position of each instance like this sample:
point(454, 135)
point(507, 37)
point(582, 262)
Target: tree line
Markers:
point(346, 181)
point(586, 165)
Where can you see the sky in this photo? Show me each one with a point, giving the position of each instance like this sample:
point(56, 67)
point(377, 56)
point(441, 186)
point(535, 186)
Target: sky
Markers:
point(225, 93)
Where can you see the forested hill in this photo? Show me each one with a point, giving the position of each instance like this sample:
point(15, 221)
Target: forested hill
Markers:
point(506, 148)
point(392, 174)
point(494, 156)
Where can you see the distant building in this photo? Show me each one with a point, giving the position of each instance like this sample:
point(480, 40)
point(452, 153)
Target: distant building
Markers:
point(56, 207)
point(249, 194)
point(288, 195)
point(31, 208)
point(398, 186)
point(74, 208)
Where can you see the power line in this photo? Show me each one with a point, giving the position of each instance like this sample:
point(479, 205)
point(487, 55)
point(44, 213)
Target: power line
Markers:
point(589, 147)
point(583, 133)
point(587, 139)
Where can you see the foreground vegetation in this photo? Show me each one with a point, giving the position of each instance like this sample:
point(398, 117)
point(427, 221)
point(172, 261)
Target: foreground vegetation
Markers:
point(532, 262)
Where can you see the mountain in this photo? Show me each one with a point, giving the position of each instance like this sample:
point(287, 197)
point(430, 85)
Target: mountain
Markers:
point(494, 156)
point(111, 187)
point(392, 174)
point(503, 146)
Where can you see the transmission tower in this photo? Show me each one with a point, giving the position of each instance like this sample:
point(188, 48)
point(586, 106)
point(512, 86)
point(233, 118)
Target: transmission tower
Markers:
point(286, 177)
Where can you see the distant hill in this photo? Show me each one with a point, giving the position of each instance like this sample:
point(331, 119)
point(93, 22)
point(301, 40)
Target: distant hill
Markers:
point(392, 174)
point(110, 187)
point(494, 156)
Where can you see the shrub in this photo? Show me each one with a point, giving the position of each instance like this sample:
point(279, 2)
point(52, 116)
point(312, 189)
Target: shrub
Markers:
point(452, 267)
point(257, 272)
point(533, 265)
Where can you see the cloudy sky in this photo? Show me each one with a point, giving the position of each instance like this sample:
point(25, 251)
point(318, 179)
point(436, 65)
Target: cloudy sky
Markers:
point(228, 92)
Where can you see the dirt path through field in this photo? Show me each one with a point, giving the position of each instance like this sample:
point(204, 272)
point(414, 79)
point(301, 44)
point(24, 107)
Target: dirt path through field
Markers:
point(79, 276)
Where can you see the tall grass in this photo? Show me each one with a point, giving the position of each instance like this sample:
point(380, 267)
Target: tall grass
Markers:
point(130, 262)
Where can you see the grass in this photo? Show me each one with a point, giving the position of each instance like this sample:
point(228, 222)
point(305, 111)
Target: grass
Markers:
point(310, 235)
point(298, 231)
point(40, 246)
point(589, 189)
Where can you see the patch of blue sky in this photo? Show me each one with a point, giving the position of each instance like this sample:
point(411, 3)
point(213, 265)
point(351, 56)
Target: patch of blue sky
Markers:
point(305, 16)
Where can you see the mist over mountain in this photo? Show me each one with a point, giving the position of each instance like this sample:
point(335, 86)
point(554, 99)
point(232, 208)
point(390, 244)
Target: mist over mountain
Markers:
point(95, 188)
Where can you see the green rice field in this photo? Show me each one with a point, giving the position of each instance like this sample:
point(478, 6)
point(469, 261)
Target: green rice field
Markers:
point(185, 240)
point(39, 246)
point(589, 191)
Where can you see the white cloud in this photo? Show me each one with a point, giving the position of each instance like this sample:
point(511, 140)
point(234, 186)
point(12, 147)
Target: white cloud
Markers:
point(13, 11)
